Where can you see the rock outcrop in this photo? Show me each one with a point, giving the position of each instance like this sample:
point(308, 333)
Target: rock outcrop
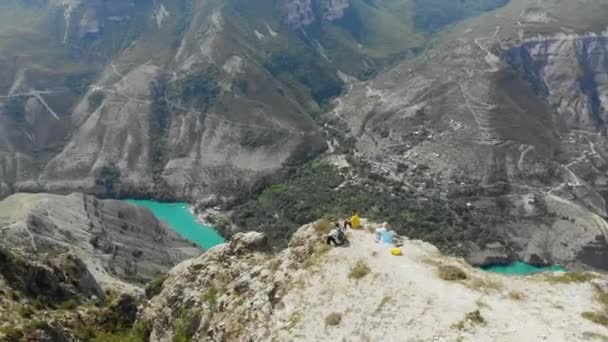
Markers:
point(122, 245)
point(240, 291)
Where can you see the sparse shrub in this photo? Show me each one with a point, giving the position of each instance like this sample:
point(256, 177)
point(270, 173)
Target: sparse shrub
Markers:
point(155, 286)
point(475, 317)
point(70, 304)
point(359, 270)
point(516, 295)
point(323, 227)
point(38, 303)
point(385, 300)
point(333, 319)
point(294, 320)
point(210, 296)
point(482, 284)
point(183, 330)
point(571, 277)
point(26, 311)
point(451, 273)
point(595, 317)
point(599, 317)
point(139, 333)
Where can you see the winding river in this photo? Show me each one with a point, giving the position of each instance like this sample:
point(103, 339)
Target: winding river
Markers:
point(179, 218)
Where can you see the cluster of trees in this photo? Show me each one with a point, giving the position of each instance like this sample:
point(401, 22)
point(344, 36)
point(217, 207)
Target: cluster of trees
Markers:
point(321, 82)
point(314, 191)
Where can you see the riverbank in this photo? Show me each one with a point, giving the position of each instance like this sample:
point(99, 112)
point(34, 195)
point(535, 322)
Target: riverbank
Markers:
point(180, 217)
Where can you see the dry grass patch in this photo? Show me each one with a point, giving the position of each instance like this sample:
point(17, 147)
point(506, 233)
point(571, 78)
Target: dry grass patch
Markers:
point(588, 335)
point(333, 319)
point(571, 277)
point(315, 258)
point(385, 300)
point(480, 284)
point(600, 317)
point(323, 227)
point(473, 318)
point(359, 270)
point(595, 317)
point(451, 273)
point(294, 319)
point(516, 295)
point(481, 304)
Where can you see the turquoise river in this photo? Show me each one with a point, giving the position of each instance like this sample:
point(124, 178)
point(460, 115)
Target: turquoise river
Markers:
point(521, 268)
point(180, 219)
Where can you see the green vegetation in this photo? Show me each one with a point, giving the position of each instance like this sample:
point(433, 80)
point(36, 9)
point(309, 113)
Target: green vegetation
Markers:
point(295, 319)
point(451, 273)
point(210, 295)
point(516, 295)
point(333, 319)
point(139, 333)
point(155, 286)
point(307, 69)
point(183, 329)
point(433, 15)
point(600, 317)
point(26, 311)
point(323, 227)
point(359, 270)
point(254, 137)
point(198, 89)
point(385, 300)
point(595, 317)
point(473, 317)
point(571, 277)
point(314, 190)
point(24, 333)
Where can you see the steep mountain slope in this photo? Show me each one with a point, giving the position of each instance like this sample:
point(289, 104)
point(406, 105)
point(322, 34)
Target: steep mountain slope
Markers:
point(182, 98)
point(506, 114)
point(123, 246)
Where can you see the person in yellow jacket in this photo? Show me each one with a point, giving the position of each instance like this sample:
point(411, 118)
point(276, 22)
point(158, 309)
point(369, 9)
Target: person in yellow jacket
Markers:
point(354, 222)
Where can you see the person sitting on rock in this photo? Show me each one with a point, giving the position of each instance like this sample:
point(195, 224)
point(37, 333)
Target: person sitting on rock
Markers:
point(354, 221)
point(336, 236)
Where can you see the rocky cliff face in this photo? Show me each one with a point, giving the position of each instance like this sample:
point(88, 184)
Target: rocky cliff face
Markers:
point(570, 71)
point(505, 116)
point(122, 245)
point(301, 13)
point(181, 99)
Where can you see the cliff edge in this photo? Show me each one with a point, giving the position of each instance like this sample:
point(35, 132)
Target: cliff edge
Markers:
point(241, 291)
